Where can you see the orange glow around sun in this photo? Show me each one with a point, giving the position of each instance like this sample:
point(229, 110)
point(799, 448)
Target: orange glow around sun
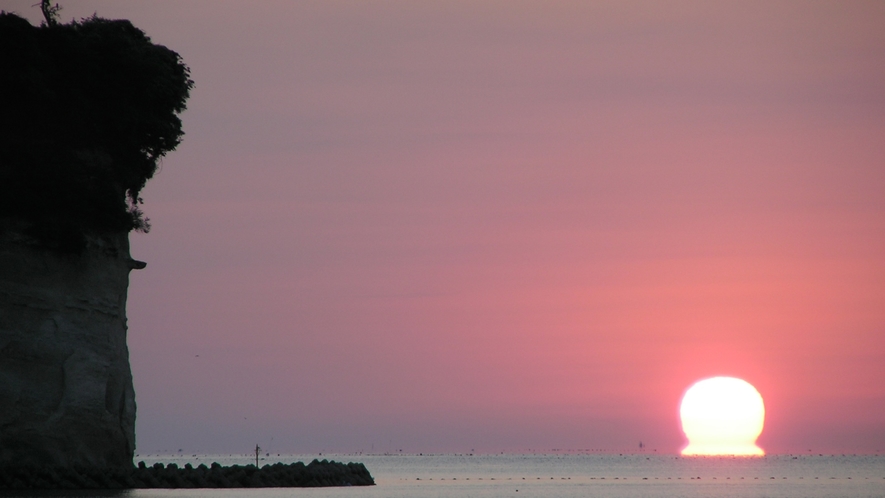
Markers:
point(722, 416)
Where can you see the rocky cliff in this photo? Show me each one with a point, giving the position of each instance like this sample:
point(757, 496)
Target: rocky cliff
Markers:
point(89, 109)
point(66, 396)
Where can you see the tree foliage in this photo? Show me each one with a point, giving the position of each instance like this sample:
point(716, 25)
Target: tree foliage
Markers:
point(88, 110)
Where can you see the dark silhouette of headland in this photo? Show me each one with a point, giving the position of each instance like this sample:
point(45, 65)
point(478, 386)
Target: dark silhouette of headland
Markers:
point(88, 110)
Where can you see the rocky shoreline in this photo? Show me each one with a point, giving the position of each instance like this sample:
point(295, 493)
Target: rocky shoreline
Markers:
point(295, 475)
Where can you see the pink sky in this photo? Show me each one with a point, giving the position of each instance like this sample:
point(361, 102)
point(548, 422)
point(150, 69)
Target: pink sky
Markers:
point(506, 226)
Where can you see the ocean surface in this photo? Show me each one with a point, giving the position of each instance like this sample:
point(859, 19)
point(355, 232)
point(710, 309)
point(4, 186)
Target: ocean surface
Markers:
point(564, 475)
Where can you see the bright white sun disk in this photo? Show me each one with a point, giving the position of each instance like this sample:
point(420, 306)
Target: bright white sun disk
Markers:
point(722, 416)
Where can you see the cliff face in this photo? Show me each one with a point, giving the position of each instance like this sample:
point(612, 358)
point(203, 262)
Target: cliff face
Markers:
point(66, 396)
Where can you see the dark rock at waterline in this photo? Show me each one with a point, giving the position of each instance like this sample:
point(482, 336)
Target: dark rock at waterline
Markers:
point(279, 475)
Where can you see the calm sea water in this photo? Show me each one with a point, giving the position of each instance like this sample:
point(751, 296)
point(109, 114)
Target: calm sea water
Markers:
point(549, 476)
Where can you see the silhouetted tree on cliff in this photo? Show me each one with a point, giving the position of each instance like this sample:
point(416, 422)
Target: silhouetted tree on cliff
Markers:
point(50, 12)
point(88, 109)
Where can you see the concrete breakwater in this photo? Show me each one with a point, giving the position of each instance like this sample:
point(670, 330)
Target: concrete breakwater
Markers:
point(315, 474)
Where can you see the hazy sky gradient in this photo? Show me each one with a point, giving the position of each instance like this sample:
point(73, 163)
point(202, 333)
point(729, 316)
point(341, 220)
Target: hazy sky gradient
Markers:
point(505, 226)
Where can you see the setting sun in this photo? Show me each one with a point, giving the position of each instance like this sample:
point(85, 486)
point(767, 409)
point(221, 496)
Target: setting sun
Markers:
point(722, 416)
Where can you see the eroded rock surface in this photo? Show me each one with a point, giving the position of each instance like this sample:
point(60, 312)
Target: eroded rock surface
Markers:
point(66, 396)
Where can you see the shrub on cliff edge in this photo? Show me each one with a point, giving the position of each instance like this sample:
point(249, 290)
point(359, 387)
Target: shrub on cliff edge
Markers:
point(87, 109)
